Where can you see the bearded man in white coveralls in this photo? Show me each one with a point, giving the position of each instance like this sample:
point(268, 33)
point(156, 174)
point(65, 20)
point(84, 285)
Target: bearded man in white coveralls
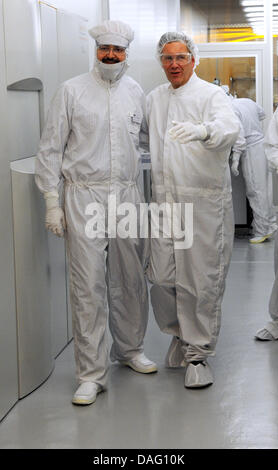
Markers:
point(192, 129)
point(91, 140)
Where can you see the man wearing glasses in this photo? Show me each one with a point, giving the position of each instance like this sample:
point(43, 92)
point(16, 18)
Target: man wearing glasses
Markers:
point(192, 129)
point(91, 140)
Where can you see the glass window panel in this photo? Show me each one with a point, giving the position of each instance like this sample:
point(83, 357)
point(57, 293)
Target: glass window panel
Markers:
point(218, 21)
point(239, 73)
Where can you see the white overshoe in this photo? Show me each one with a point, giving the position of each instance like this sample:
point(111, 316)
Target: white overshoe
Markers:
point(141, 363)
point(198, 376)
point(86, 393)
point(175, 355)
point(264, 335)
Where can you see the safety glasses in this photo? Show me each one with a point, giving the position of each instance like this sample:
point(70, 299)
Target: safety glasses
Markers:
point(181, 58)
point(116, 50)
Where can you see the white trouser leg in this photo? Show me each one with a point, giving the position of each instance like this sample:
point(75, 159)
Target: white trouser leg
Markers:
point(258, 181)
point(127, 296)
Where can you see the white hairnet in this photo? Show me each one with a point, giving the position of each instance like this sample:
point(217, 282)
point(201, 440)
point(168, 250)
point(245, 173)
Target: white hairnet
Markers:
point(112, 32)
point(179, 37)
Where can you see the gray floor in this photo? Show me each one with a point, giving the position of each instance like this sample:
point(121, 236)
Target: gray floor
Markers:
point(239, 411)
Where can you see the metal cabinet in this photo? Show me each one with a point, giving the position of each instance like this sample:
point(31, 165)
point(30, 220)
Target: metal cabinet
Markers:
point(35, 358)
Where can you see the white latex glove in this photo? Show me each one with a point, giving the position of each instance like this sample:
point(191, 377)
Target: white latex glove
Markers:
point(235, 163)
point(185, 132)
point(54, 216)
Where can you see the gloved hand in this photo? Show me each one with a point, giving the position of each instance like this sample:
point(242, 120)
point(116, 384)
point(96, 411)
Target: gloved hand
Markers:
point(54, 216)
point(235, 163)
point(185, 132)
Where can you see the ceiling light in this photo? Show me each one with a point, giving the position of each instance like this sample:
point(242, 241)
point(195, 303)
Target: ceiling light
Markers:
point(254, 15)
point(252, 3)
point(253, 9)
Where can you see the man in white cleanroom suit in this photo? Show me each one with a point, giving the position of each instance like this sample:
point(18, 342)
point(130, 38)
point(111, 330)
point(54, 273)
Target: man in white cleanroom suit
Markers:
point(270, 331)
point(91, 140)
point(258, 180)
point(192, 129)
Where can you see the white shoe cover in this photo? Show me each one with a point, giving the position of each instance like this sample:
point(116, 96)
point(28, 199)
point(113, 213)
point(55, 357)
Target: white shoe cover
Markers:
point(86, 393)
point(142, 364)
point(175, 354)
point(198, 376)
point(264, 335)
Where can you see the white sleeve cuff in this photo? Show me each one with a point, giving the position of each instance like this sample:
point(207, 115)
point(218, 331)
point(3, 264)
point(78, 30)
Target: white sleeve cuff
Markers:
point(51, 194)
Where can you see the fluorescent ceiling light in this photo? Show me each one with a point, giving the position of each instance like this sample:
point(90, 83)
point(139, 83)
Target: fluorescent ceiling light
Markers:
point(252, 3)
point(254, 15)
point(253, 9)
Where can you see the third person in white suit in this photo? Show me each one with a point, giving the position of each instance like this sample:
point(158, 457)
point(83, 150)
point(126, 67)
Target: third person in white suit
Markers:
point(192, 129)
point(254, 167)
point(270, 331)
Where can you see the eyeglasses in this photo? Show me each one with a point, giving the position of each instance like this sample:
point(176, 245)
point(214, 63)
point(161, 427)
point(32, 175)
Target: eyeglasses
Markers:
point(181, 59)
point(117, 50)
